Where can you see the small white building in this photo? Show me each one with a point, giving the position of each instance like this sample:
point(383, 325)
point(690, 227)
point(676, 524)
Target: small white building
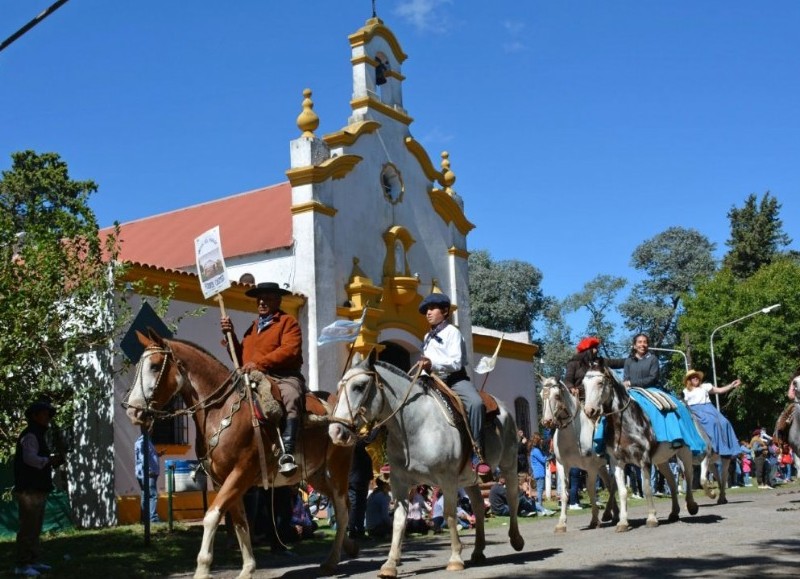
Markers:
point(365, 220)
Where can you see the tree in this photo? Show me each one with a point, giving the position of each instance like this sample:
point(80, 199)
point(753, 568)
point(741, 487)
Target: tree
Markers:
point(762, 351)
point(757, 236)
point(54, 287)
point(598, 297)
point(504, 295)
point(556, 346)
point(673, 262)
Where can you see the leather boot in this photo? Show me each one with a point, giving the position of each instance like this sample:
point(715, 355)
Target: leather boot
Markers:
point(286, 463)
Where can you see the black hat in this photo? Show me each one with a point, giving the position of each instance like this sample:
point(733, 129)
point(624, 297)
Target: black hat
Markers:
point(266, 287)
point(435, 299)
point(37, 407)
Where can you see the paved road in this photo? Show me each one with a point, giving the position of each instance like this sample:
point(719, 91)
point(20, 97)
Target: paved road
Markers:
point(756, 534)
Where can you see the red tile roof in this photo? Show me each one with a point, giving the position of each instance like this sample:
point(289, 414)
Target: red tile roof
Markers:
point(251, 222)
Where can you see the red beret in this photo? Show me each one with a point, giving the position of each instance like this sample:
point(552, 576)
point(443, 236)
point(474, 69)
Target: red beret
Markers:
point(588, 343)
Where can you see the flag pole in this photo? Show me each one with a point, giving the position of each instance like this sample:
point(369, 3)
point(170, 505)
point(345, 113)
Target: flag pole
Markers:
point(494, 357)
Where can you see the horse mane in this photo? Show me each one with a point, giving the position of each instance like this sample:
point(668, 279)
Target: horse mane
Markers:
point(393, 369)
point(200, 349)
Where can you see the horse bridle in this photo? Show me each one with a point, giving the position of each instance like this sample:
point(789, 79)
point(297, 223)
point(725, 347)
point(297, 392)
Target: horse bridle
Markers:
point(561, 418)
point(169, 356)
point(358, 415)
point(607, 391)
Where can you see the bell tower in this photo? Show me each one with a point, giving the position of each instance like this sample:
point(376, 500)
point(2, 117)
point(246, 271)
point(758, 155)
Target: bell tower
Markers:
point(377, 72)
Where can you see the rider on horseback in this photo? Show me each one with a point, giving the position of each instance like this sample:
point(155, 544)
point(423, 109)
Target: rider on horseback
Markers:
point(444, 354)
point(273, 344)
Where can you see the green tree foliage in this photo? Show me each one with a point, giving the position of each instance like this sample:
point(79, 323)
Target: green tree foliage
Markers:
point(556, 346)
point(599, 298)
point(762, 350)
point(504, 295)
point(673, 262)
point(53, 283)
point(757, 235)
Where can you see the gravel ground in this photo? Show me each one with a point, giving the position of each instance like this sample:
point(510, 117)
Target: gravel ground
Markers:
point(754, 535)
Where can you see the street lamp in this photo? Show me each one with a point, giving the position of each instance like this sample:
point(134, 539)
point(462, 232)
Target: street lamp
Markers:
point(766, 310)
point(681, 352)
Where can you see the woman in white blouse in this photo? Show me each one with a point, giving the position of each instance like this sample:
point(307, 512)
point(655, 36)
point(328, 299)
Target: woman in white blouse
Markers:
point(696, 394)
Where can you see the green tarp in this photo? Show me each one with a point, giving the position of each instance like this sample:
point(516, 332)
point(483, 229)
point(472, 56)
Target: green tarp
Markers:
point(56, 515)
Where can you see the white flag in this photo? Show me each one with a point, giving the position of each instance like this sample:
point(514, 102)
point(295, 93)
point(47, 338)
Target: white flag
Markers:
point(341, 331)
point(486, 365)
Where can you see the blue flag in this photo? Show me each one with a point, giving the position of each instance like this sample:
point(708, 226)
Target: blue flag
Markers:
point(341, 331)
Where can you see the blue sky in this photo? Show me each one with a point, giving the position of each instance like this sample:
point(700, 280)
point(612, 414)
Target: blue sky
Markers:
point(577, 130)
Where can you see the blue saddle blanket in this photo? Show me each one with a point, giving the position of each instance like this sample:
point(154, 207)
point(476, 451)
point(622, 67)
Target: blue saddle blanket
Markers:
point(673, 426)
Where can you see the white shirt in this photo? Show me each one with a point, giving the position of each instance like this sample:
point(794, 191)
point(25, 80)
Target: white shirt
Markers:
point(698, 395)
point(447, 351)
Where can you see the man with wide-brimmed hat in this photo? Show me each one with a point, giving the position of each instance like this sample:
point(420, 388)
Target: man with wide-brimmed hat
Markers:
point(273, 344)
point(33, 481)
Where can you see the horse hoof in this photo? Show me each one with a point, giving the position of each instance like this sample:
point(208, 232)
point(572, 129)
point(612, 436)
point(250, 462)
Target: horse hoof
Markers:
point(326, 570)
point(622, 528)
point(674, 518)
point(388, 572)
point(594, 524)
point(350, 547)
point(652, 523)
point(455, 566)
point(607, 517)
point(722, 501)
point(693, 508)
point(517, 543)
point(560, 529)
point(477, 558)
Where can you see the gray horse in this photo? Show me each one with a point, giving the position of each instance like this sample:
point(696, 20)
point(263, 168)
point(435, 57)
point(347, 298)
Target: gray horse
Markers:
point(573, 447)
point(424, 446)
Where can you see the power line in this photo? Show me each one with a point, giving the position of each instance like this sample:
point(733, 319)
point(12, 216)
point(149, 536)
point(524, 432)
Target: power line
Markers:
point(41, 16)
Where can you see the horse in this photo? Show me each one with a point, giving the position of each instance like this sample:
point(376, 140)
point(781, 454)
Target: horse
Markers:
point(573, 446)
point(630, 439)
point(226, 442)
point(424, 445)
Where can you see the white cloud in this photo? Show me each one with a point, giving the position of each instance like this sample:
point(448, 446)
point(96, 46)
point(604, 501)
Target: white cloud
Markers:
point(515, 42)
point(425, 15)
point(436, 137)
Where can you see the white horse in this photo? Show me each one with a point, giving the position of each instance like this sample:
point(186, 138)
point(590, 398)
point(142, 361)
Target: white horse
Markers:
point(573, 446)
point(629, 438)
point(424, 446)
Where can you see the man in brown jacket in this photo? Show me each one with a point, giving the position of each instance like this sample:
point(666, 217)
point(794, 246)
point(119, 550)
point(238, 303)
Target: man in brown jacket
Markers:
point(273, 344)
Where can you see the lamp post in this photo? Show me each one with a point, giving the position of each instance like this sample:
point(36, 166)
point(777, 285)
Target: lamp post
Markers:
point(766, 310)
point(681, 352)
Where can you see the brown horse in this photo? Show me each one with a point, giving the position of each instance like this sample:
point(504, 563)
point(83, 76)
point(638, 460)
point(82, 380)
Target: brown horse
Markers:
point(226, 443)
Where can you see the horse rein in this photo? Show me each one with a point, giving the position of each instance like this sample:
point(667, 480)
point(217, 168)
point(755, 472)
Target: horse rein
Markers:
point(351, 423)
point(216, 396)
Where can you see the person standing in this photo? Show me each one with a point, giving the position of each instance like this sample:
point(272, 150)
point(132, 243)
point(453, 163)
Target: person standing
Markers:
point(358, 489)
point(140, 454)
point(33, 481)
point(539, 471)
point(273, 345)
point(444, 354)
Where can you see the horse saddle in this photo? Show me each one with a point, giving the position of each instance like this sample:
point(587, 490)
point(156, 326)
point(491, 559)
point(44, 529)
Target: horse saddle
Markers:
point(269, 401)
point(658, 399)
point(489, 401)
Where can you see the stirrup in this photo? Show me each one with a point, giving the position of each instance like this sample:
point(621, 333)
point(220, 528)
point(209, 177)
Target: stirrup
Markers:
point(286, 464)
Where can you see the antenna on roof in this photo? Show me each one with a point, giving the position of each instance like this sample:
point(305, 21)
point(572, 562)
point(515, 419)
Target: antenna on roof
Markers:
point(374, 14)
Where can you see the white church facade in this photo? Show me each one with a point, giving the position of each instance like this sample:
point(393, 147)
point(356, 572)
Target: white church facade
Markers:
point(366, 221)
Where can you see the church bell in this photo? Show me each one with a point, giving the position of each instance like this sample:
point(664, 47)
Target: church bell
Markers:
point(380, 72)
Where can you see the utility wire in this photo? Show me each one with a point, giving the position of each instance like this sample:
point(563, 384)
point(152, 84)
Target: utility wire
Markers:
point(41, 16)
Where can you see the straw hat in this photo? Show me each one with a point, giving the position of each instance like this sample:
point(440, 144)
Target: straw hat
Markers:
point(691, 374)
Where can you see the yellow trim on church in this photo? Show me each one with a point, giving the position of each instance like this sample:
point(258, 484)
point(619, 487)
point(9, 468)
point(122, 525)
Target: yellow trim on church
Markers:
point(313, 206)
point(424, 160)
point(486, 345)
point(373, 103)
point(334, 168)
point(375, 27)
point(351, 133)
point(449, 210)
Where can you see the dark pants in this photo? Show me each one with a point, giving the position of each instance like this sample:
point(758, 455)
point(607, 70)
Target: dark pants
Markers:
point(762, 469)
point(31, 518)
point(574, 485)
point(358, 509)
point(634, 472)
